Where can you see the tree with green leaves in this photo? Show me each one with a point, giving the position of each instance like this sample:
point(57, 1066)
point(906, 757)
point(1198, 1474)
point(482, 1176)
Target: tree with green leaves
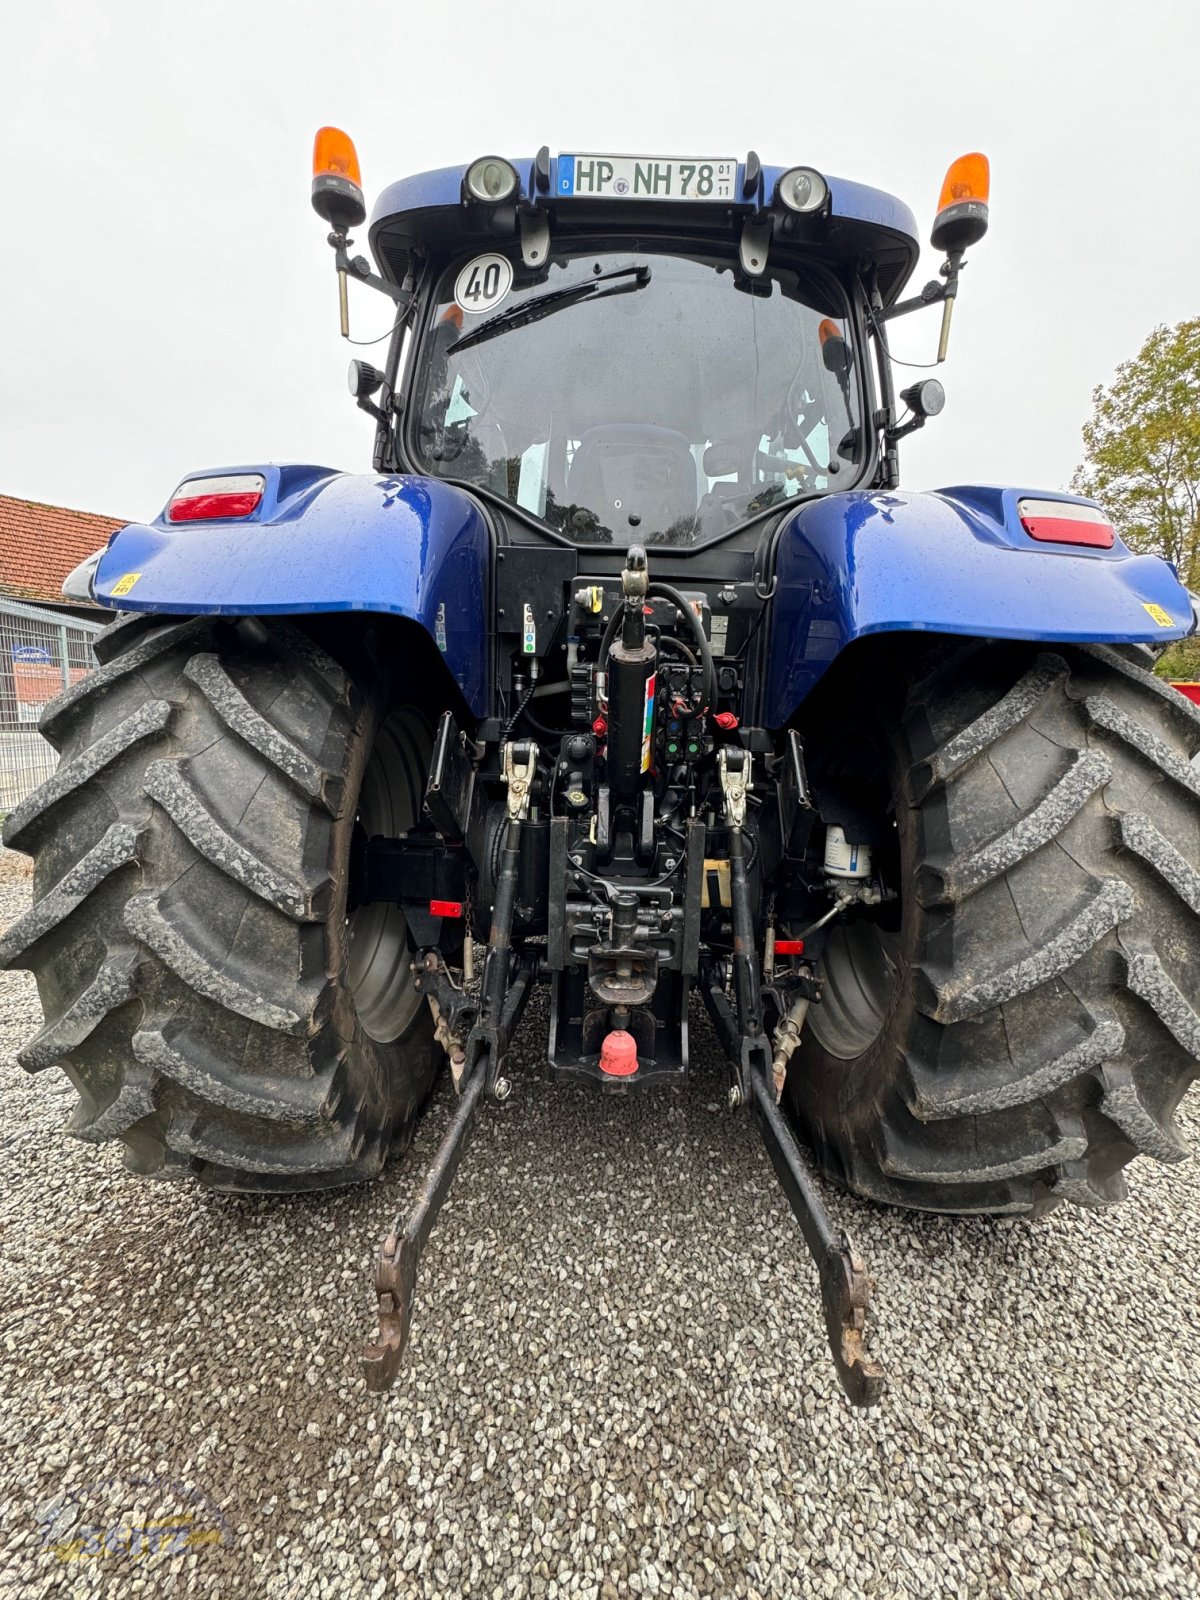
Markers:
point(1143, 449)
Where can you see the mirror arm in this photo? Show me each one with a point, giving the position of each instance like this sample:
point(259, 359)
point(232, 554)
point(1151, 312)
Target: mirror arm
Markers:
point(935, 292)
point(359, 268)
point(950, 271)
point(931, 295)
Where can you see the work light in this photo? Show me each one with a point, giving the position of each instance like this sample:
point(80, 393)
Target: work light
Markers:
point(491, 180)
point(803, 190)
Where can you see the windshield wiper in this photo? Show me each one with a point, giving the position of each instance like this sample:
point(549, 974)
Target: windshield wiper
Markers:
point(544, 305)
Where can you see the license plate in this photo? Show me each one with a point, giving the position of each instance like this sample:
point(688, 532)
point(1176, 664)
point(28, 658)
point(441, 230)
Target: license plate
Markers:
point(646, 178)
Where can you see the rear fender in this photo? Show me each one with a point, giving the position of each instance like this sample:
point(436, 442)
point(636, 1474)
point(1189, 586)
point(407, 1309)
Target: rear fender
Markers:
point(323, 541)
point(951, 561)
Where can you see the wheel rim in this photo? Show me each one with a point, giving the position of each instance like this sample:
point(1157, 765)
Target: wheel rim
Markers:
point(379, 959)
point(859, 968)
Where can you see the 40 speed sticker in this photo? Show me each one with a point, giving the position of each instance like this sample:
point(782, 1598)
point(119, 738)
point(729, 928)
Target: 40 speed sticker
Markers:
point(483, 283)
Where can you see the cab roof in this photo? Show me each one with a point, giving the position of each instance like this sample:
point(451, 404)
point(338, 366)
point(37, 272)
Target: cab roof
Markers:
point(429, 212)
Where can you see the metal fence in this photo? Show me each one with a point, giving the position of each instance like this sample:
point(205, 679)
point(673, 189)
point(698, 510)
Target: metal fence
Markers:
point(41, 652)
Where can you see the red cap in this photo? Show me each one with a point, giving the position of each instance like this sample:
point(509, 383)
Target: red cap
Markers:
point(600, 727)
point(726, 720)
point(618, 1054)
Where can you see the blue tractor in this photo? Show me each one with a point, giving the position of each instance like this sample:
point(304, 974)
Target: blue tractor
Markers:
point(630, 661)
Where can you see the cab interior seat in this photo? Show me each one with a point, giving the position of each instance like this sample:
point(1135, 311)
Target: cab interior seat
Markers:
point(627, 469)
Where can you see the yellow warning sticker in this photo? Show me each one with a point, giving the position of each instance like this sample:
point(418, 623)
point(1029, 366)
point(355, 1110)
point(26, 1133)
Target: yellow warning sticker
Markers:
point(123, 585)
point(1163, 618)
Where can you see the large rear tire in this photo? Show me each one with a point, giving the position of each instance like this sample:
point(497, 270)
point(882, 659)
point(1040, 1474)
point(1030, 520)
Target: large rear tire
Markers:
point(215, 1002)
point(1029, 1023)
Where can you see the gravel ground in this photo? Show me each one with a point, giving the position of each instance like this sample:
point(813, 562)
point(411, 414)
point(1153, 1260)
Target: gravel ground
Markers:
point(617, 1383)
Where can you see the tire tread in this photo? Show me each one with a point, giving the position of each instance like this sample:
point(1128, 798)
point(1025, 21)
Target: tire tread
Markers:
point(194, 1001)
point(1046, 1023)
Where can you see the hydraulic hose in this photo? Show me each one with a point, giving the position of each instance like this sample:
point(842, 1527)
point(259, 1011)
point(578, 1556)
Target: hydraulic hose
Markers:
point(610, 633)
point(664, 591)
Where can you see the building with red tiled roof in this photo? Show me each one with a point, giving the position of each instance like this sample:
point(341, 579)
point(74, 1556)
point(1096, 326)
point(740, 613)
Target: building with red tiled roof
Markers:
point(39, 546)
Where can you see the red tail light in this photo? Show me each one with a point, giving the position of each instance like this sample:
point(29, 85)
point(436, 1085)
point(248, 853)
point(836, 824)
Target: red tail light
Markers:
point(209, 499)
point(1065, 522)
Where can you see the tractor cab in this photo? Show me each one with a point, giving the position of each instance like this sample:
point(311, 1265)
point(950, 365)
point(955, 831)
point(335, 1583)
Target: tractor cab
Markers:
point(696, 406)
point(618, 349)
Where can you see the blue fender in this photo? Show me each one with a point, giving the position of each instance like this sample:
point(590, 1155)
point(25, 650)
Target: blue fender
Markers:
point(323, 541)
point(949, 561)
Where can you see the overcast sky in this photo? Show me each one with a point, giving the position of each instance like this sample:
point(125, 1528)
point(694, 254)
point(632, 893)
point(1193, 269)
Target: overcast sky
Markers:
point(167, 301)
